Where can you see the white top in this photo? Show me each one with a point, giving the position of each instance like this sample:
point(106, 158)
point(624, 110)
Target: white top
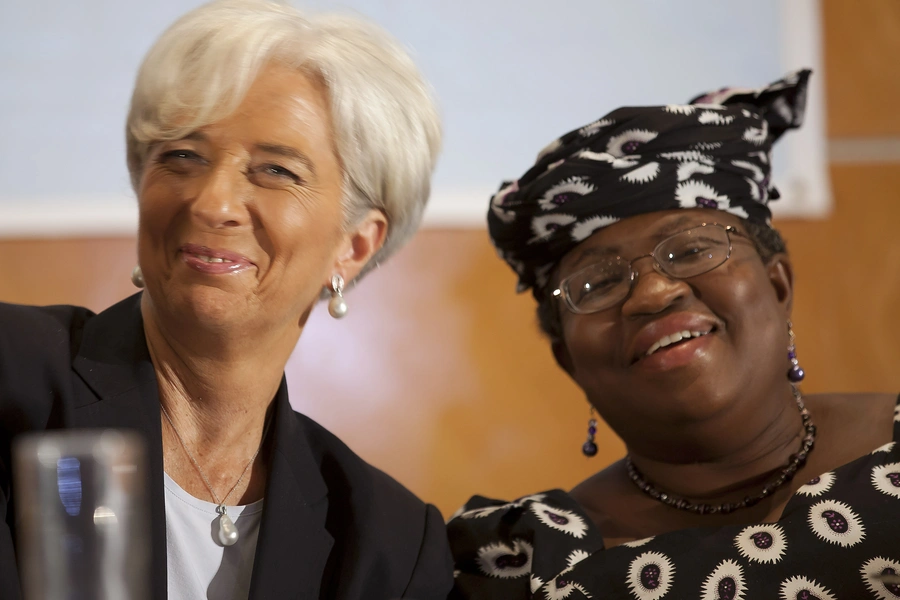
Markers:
point(198, 565)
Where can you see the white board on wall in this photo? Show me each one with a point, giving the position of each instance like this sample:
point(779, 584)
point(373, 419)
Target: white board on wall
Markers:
point(510, 77)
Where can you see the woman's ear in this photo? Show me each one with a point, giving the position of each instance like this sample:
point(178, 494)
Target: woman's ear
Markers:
point(361, 243)
point(781, 275)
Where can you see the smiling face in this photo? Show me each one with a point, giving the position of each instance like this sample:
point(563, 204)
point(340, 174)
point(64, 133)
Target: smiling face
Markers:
point(241, 222)
point(635, 362)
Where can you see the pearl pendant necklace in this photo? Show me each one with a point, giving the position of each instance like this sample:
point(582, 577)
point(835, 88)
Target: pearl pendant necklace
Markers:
point(227, 532)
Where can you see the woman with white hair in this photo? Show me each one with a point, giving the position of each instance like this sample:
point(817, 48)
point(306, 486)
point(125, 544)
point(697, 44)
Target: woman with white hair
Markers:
point(276, 157)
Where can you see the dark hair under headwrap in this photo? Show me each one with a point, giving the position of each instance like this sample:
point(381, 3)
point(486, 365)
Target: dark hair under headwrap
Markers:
point(711, 153)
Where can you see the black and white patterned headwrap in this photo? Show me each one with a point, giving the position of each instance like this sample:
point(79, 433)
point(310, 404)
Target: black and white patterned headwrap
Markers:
point(711, 153)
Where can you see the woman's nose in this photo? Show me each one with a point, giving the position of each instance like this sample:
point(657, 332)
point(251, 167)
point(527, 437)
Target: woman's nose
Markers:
point(221, 199)
point(652, 291)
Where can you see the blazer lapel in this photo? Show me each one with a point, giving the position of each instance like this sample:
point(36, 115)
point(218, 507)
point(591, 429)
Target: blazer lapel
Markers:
point(293, 545)
point(114, 363)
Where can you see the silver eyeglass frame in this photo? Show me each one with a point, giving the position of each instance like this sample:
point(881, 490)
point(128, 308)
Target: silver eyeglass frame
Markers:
point(561, 292)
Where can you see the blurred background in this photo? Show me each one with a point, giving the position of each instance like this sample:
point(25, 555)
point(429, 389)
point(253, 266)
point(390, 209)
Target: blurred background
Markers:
point(439, 375)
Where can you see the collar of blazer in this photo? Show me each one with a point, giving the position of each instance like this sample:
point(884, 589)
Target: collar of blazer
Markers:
point(293, 545)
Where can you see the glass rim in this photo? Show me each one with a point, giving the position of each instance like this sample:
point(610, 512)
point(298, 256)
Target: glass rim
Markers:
point(562, 290)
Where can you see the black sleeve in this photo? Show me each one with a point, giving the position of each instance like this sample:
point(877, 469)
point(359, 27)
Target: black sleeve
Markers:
point(482, 523)
point(9, 577)
point(518, 550)
point(432, 576)
point(35, 363)
point(37, 345)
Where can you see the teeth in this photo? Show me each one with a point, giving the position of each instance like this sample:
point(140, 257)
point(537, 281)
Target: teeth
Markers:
point(675, 337)
point(211, 259)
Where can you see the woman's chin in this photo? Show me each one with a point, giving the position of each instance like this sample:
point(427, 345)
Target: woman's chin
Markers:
point(683, 402)
point(694, 409)
point(212, 308)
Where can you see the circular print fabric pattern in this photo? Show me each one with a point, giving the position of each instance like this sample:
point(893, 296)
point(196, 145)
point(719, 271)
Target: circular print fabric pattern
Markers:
point(650, 576)
point(817, 485)
point(871, 572)
point(501, 560)
point(761, 543)
point(560, 519)
point(835, 522)
point(886, 479)
point(726, 582)
point(801, 588)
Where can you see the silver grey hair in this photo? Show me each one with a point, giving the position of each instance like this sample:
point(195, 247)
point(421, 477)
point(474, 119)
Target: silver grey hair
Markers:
point(386, 124)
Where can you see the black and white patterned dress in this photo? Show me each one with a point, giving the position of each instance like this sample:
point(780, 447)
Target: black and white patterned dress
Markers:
point(836, 535)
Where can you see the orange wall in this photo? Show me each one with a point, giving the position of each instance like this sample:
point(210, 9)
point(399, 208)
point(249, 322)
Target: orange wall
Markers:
point(439, 375)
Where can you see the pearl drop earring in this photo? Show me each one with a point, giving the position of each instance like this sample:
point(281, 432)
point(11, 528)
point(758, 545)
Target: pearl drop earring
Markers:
point(337, 307)
point(137, 277)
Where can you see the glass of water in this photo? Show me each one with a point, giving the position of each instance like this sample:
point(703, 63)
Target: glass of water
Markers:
point(82, 510)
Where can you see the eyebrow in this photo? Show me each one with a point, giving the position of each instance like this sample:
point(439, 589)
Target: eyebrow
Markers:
point(277, 149)
point(676, 226)
point(287, 152)
point(605, 252)
point(670, 228)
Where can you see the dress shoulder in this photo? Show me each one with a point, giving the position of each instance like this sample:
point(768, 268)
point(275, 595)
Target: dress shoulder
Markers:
point(26, 328)
point(835, 539)
point(37, 346)
point(36, 349)
point(341, 466)
point(510, 549)
point(394, 535)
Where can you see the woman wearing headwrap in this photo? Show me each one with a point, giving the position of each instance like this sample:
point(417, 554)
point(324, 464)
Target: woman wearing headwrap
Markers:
point(666, 294)
point(277, 156)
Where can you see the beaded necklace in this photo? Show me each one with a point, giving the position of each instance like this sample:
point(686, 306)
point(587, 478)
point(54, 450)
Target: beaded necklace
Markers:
point(702, 508)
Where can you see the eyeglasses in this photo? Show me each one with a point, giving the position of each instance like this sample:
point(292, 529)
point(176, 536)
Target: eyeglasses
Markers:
point(686, 254)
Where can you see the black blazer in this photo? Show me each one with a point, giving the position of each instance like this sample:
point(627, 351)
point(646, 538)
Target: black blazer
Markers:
point(333, 526)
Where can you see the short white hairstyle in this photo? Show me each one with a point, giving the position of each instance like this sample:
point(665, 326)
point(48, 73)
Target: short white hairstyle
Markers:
point(386, 125)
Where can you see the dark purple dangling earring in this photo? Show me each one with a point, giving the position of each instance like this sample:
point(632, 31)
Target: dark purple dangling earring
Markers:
point(590, 448)
point(796, 373)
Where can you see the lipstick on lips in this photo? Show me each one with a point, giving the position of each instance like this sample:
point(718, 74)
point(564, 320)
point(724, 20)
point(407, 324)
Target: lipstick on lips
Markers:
point(672, 340)
point(213, 261)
